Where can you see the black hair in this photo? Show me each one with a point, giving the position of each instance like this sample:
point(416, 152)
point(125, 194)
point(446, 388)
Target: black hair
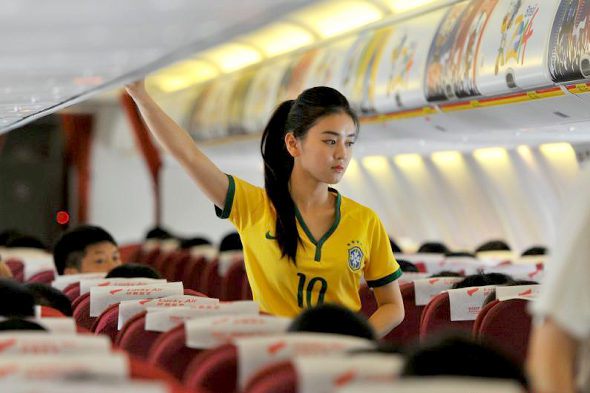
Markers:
point(17, 300)
point(25, 241)
point(394, 246)
point(459, 254)
point(296, 116)
point(447, 273)
point(193, 242)
point(331, 318)
point(8, 234)
point(231, 242)
point(71, 246)
point(132, 270)
point(20, 324)
point(433, 248)
point(535, 250)
point(158, 233)
point(48, 296)
point(460, 355)
point(493, 245)
point(481, 280)
point(407, 267)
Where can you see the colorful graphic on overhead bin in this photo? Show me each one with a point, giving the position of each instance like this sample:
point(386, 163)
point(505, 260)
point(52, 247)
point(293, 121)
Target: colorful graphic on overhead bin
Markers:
point(569, 46)
point(327, 66)
point(197, 118)
point(453, 55)
point(350, 73)
point(514, 46)
point(237, 103)
point(211, 120)
point(261, 99)
point(295, 74)
point(397, 82)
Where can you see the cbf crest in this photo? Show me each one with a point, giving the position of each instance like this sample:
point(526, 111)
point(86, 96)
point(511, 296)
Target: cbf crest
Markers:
point(355, 255)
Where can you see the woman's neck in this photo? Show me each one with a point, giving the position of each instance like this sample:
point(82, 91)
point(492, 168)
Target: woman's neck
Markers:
point(308, 193)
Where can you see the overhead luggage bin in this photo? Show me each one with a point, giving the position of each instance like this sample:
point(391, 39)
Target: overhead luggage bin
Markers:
point(295, 75)
point(354, 68)
point(513, 51)
point(327, 66)
point(397, 81)
point(210, 117)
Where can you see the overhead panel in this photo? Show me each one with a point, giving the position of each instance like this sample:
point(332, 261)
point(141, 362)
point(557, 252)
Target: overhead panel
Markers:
point(236, 111)
point(398, 82)
point(513, 53)
point(353, 72)
point(295, 74)
point(327, 68)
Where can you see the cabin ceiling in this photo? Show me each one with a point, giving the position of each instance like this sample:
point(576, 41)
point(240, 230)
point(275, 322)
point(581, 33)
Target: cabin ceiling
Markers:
point(56, 53)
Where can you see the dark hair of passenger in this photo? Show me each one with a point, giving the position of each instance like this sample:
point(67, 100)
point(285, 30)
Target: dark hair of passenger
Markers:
point(230, 242)
point(132, 270)
point(394, 246)
point(296, 116)
point(25, 241)
point(20, 324)
point(71, 246)
point(455, 355)
point(17, 301)
point(433, 248)
point(48, 296)
point(8, 234)
point(493, 245)
point(158, 233)
point(331, 318)
point(481, 280)
point(407, 267)
point(193, 242)
point(447, 273)
point(459, 254)
point(536, 250)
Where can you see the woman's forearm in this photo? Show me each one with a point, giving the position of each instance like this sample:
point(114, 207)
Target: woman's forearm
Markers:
point(385, 318)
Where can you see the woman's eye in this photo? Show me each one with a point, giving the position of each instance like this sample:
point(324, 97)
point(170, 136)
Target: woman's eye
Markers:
point(99, 261)
point(330, 142)
point(349, 143)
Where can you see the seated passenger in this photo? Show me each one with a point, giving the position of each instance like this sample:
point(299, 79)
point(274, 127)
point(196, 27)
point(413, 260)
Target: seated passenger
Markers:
point(331, 318)
point(432, 248)
point(194, 242)
point(493, 245)
point(16, 300)
point(132, 270)
point(25, 241)
point(407, 267)
point(446, 273)
point(456, 355)
point(48, 296)
point(86, 249)
point(459, 254)
point(394, 247)
point(19, 324)
point(535, 250)
point(481, 280)
point(231, 242)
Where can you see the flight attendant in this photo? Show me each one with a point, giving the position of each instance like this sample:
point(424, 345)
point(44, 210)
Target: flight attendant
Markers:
point(304, 243)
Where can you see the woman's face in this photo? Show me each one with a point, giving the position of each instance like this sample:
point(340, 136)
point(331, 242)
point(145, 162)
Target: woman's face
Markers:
point(326, 149)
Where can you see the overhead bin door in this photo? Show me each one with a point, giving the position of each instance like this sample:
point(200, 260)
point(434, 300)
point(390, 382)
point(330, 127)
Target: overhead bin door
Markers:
point(295, 74)
point(210, 118)
point(513, 52)
point(398, 82)
point(327, 66)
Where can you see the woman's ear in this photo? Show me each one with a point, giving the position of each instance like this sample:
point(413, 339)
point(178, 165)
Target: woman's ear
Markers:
point(292, 144)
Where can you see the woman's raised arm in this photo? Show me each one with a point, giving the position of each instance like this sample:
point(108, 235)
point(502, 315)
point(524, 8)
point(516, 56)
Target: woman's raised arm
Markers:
point(210, 179)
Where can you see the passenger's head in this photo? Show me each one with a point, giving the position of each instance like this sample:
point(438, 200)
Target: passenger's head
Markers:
point(51, 297)
point(447, 273)
point(194, 242)
point(407, 267)
point(394, 246)
point(25, 241)
point(230, 242)
point(20, 324)
point(7, 235)
point(481, 280)
point(433, 248)
point(157, 233)
point(86, 249)
point(17, 301)
point(132, 270)
point(331, 318)
point(314, 134)
point(493, 245)
point(459, 254)
point(536, 250)
point(461, 356)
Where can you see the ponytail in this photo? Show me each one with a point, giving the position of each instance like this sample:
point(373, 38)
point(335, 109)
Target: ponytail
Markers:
point(278, 165)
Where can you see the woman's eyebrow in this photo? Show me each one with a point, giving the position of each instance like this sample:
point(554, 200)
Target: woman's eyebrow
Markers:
point(353, 135)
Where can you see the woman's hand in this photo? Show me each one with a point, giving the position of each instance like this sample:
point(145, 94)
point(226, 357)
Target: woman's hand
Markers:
point(137, 88)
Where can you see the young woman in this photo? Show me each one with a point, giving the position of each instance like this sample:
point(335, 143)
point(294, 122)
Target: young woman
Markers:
point(304, 244)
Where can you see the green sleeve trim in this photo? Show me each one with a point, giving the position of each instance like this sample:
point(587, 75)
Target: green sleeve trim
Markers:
point(229, 199)
point(385, 280)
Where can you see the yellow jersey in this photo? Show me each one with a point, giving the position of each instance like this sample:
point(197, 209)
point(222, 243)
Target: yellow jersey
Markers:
point(327, 270)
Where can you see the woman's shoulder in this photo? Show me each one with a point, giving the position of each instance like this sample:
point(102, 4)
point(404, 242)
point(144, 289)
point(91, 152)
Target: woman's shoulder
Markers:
point(352, 207)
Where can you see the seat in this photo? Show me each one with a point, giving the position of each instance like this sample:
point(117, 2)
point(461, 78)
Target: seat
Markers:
point(169, 271)
point(50, 312)
point(17, 268)
point(72, 291)
point(133, 337)
point(507, 325)
point(231, 283)
point(141, 370)
point(162, 261)
point(436, 317)
point(368, 302)
point(130, 252)
point(106, 323)
point(82, 312)
point(193, 273)
point(211, 280)
point(170, 353)
point(409, 329)
point(480, 316)
point(151, 256)
point(215, 370)
point(45, 277)
point(276, 378)
point(246, 289)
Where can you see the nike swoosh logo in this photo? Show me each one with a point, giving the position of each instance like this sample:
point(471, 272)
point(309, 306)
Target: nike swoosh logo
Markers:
point(269, 236)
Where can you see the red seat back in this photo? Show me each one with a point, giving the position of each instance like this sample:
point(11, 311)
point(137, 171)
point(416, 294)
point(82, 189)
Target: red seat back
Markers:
point(436, 317)
point(107, 321)
point(42, 277)
point(246, 289)
point(17, 268)
point(133, 337)
point(82, 312)
point(231, 283)
point(50, 312)
point(276, 378)
point(130, 252)
point(480, 316)
point(211, 280)
point(151, 256)
point(368, 301)
point(169, 271)
point(170, 353)
point(193, 273)
point(72, 291)
point(409, 329)
point(507, 324)
point(215, 370)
